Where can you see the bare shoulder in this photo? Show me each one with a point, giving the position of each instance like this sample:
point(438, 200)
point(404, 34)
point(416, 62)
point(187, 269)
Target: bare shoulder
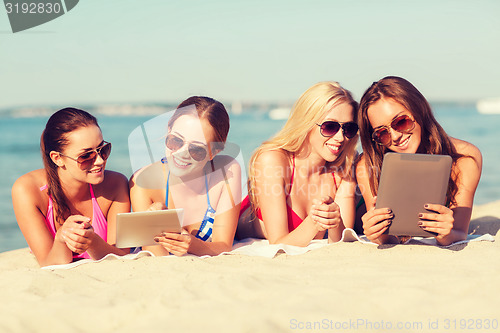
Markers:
point(467, 149)
point(27, 189)
point(275, 157)
point(149, 176)
point(30, 182)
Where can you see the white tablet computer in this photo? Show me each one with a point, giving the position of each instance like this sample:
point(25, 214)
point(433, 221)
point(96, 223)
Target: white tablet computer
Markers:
point(407, 183)
point(139, 228)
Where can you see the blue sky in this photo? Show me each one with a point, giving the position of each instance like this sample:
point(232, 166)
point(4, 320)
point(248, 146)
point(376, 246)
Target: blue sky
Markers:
point(114, 51)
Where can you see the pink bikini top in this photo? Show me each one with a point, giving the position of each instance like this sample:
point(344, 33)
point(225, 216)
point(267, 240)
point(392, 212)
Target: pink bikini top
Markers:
point(98, 221)
point(294, 220)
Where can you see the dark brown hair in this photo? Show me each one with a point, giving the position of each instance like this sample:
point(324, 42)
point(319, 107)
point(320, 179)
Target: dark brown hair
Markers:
point(434, 139)
point(54, 138)
point(210, 109)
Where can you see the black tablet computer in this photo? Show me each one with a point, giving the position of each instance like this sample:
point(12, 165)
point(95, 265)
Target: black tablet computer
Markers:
point(407, 183)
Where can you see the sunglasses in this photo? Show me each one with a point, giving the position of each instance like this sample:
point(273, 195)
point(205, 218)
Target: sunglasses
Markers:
point(403, 124)
point(88, 158)
point(174, 143)
point(330, 128)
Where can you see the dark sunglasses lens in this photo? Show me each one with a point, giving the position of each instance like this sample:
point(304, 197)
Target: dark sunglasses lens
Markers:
point(350, 130)
point(329, 128)
point(382, 136)
point(105, 151)
point(174, 143)
point(197, 153)
point(87, 158)
point(402, 124)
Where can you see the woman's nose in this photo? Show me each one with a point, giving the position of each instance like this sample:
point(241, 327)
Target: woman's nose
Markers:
point(395, 135)
point(99, 160)
point(183, 151)
point(339, 136)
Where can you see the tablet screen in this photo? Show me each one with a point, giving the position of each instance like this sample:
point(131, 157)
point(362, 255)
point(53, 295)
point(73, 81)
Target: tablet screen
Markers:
point(407, 183)
point(139, 228)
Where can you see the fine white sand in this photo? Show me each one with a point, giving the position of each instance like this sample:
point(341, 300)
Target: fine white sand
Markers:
point(350, 287)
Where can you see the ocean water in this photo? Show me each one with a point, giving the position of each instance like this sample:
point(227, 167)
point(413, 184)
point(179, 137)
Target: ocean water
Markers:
point(20, 153)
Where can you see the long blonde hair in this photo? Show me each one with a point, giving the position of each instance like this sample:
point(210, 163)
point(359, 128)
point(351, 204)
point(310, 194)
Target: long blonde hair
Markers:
point(310, 109)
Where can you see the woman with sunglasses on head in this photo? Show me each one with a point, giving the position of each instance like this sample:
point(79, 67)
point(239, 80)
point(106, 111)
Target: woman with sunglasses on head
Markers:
point(192, 176)
point(300, 181)
point(67, 211)
point(395, 116)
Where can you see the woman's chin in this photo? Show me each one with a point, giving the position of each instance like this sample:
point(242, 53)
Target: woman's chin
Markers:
point(333, 157)
point(187, 174)
point(180, 172)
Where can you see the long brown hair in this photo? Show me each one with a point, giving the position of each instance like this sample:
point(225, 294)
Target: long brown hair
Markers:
point(54, 138)
point(434, 139)
point(311, 107)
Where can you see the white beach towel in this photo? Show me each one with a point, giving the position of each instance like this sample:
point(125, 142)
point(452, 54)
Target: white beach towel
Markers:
point(262, 248)
point(110, 256)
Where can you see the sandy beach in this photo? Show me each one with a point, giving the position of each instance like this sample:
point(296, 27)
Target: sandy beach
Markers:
point(341, 287)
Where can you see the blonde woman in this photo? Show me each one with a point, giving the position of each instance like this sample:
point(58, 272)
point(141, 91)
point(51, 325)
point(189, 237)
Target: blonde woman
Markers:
point(300, 181)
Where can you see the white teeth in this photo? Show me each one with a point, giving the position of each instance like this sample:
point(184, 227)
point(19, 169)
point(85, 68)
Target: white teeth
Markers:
point(95, 171)
point(180, 163)
point(402, 143)
point(334, 148)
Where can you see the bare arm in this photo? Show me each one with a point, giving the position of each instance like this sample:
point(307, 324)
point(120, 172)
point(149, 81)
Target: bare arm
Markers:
point(345, 199)
point(452, 223)
point(375, 221)
point(26, 199)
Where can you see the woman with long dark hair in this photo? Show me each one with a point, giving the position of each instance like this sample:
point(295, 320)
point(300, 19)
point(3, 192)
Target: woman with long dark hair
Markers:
point(67, 210)
point(395, 116)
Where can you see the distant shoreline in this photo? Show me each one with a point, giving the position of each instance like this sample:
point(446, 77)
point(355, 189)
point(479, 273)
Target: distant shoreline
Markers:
point(156, 108)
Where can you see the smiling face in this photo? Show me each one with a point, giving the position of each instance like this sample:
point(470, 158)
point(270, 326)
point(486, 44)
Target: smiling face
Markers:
point(330, 148)
point(196, 134)
point(80, 142)
point(382, 113)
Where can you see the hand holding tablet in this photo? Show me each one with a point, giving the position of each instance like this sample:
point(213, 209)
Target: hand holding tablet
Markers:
point(408, 182)
point(140, 228)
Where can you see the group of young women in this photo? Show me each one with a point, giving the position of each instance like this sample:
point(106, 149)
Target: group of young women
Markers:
point(302, 183)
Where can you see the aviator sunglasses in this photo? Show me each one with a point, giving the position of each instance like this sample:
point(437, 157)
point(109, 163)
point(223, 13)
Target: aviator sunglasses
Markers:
point(174, 143)
point(330, 128)
point(88, 158)
point(403, 124)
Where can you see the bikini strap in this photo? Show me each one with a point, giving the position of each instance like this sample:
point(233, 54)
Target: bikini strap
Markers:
point(167, 178)
point(91, 191)
point(206, 188)
point(166, 190)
